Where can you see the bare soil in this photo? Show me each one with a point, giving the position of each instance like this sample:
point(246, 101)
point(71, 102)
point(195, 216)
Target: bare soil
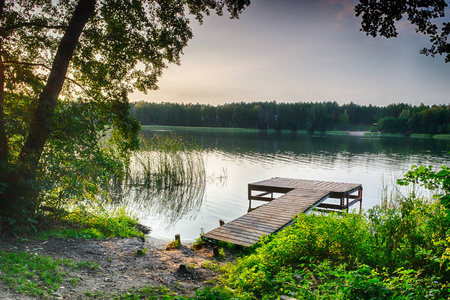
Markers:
point(120, 268)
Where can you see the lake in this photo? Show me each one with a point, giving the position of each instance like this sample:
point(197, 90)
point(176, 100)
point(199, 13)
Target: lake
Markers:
point(234, 159)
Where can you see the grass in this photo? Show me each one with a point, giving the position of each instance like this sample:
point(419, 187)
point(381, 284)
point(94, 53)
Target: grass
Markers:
point(442, 136)
point(37, 275)
point(175, 244)
point(336, 133)
point(161, 293)
point(396, 135)
point(167, 177)
point(372, 134)
point(204, 129)
point(420, 136)
point(99, 224)
point(217, 129)
point(165, 162)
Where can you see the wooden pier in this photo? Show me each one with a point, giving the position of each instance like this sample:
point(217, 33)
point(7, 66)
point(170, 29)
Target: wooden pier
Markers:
point(297, 196)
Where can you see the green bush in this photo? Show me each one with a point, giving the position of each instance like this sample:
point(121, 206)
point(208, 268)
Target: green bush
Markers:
point(400, 251)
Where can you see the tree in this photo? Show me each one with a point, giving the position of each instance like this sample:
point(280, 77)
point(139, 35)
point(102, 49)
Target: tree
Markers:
point(379, 17)
point(55, 54)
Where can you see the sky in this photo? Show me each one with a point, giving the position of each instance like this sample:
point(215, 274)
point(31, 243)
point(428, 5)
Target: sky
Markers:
point(302, 51)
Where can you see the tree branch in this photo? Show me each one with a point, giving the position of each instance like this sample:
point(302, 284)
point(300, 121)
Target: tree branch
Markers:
point(10, 62)
point(34, 24)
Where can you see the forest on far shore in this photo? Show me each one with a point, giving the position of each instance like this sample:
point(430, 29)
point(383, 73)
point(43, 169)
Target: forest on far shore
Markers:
point(319, 116)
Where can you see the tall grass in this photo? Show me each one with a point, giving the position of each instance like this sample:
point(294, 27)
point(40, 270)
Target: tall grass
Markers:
point(165, 162)
point(167, 177)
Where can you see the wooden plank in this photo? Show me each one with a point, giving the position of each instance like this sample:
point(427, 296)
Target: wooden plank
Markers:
point(233, 239)
point(257, 225)
point(240, 228)
point(248, 228)
point(300, 195)
point(263, 222)
point(267, 214)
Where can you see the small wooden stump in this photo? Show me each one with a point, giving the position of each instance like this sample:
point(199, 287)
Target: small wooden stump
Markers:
point(215, 251)
point(178, 238)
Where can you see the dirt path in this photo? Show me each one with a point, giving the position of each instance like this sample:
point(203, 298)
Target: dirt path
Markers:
point(119, 266)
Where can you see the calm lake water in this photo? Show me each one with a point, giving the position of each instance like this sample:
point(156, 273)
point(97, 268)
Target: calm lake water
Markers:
point(233, 160)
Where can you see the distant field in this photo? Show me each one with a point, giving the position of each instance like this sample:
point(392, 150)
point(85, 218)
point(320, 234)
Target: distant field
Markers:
point(442, 136)
point(421, 136)
point(213, 129)
point(251, 130)
point(393, 135)
point(188, 128)
point(336, 133)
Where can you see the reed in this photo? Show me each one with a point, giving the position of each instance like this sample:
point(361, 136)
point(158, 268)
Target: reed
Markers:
point(166, 177)
point(165, 162)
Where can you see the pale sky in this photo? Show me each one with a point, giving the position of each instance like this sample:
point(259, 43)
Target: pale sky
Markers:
point(300, 51)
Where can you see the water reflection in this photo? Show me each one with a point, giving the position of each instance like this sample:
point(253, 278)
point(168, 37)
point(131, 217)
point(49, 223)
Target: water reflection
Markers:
point(232, 160)
point(170, 204)
point(168, 185)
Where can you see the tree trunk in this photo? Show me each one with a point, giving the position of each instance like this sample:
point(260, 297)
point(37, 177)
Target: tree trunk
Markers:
point(41, 124)
point(18, 192)
point(3, 139)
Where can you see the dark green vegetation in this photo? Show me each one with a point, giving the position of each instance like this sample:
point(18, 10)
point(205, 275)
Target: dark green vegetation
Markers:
point(66, 68)
point(311, 117)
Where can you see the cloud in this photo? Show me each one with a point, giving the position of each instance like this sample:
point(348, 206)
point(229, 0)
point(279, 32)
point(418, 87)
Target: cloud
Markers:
point(343, 9)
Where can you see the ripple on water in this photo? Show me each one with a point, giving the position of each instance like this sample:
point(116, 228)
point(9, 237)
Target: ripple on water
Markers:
point(234, 161)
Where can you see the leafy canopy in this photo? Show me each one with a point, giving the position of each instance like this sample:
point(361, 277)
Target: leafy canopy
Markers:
point(66, 69)
point(428, 17)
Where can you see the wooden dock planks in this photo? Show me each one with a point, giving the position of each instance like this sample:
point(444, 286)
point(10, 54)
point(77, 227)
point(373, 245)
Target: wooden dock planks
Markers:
point(264, 220)
point(300, 196)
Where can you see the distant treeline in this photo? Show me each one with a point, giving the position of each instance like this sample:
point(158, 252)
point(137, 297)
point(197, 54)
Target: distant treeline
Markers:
point(309, 116)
